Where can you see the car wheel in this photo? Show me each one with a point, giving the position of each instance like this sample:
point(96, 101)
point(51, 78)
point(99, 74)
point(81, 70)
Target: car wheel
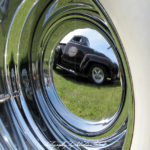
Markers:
point(97, 74)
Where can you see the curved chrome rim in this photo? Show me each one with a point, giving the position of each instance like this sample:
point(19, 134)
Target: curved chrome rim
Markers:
point(97, 75)
point(39, 23)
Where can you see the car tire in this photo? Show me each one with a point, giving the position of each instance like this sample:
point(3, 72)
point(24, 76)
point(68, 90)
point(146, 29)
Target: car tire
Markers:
point(97, 74)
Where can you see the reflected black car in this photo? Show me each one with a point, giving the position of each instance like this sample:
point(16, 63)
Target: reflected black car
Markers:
point(78, 58)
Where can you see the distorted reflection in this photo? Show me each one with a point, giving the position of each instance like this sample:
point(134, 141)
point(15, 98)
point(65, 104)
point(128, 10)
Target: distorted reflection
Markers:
point(48, 14)
point(4, 7)
point(13, 80)
point(25, 81)
point(88, 70)
point(46, 79)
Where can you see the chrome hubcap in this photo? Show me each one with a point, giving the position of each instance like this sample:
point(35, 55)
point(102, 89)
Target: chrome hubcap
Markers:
point(36, 109)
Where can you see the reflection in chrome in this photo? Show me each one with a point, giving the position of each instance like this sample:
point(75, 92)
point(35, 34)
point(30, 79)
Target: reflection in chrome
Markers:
point(13, 80)
point(98, 75)
point(25, 81)
point(4, 97)
point(69, 70)
point(46, 80)
point(38, 117)
point(4, 6)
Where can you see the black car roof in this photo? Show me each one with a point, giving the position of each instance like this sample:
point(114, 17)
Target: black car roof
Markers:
point(79, 36)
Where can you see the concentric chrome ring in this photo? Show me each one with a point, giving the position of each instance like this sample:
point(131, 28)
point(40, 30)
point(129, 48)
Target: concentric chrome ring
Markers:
point(39, 111)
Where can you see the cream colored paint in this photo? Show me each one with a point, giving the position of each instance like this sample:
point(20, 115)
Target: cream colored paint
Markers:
point(132, 21)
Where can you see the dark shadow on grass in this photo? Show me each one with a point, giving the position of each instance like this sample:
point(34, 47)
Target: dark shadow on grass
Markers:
point(84, 80)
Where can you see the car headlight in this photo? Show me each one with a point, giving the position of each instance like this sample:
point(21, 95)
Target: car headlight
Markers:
point(72, 51)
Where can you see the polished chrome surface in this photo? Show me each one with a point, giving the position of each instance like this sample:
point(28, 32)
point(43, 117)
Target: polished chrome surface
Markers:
point(4, 97)
point(40, 119)
point(97, 74)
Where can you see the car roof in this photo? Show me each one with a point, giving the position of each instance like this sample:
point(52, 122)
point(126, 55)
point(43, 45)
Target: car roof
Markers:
point(79, 36)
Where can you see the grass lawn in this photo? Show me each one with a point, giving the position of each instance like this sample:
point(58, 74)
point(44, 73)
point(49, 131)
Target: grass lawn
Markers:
point(87, 100)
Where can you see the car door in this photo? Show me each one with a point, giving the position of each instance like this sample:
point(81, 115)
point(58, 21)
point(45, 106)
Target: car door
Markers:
point(80, 50)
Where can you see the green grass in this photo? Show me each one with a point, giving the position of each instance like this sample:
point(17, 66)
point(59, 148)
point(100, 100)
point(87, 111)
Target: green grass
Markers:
point(85, 99)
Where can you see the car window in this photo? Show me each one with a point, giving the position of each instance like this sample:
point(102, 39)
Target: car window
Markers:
point(76, 39)
point(81, 40)
point(87, 43)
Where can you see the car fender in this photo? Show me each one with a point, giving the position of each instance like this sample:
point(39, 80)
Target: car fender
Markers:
point(90, 59)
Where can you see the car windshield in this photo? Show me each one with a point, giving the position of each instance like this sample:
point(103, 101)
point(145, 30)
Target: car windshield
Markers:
point(82, 40)
point(76, 39)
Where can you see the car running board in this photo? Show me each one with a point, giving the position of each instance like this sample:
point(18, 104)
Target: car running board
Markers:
point(69, 70)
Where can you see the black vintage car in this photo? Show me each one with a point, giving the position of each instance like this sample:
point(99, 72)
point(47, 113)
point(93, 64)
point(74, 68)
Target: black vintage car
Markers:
point(78, 58)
